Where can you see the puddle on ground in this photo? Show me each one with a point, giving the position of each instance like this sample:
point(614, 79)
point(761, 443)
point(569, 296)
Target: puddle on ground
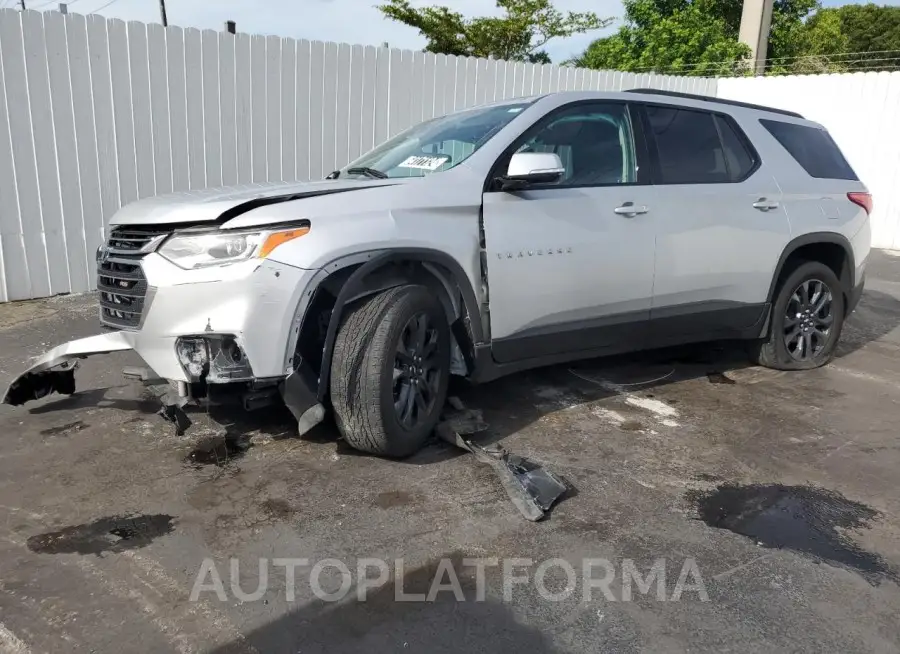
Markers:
point(277, 509)
point(64, 430)
point(801, 518)
point(705, 476)
point(112, 534)
point(217, 451)
point(390, 499)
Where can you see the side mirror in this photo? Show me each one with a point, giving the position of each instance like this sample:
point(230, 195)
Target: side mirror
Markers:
point(532, 168)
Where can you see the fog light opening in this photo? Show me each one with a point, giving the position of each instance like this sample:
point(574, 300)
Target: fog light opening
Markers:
point(193, 355)
point(232, 351)
point(228, 363)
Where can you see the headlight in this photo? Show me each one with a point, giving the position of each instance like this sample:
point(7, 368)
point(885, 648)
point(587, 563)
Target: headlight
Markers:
point(221, 248)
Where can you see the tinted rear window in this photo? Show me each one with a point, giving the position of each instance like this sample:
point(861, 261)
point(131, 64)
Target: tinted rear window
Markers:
point(697, 147)
point(813, 148)
point(688, 146)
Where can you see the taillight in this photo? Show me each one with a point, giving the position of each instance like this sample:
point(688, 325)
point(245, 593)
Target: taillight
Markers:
point(862, 199)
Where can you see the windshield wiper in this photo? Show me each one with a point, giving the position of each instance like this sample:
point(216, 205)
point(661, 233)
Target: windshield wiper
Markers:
point(368, 172)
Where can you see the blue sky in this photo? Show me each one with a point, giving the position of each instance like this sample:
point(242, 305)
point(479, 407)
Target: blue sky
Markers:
point(350, 21)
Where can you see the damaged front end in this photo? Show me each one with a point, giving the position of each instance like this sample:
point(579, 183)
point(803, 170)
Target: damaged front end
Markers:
point(208, 361)
point(54, 372)
point(214, 359)
point(197, 331)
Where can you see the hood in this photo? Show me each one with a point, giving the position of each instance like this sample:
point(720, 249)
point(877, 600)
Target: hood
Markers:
point(222, 204)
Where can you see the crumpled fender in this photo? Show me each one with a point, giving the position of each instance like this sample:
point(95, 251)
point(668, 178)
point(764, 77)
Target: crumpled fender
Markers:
point(52, 372)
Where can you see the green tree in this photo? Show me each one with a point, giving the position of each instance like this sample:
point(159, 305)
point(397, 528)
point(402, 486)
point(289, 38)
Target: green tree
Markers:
point(672, 36)
point(818, 42)
point(701, 37)
point(519, 34)
point(870, 33)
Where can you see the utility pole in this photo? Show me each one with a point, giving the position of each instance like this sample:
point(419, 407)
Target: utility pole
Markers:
point(756, 19)
point(162, 13)
point(22, 5)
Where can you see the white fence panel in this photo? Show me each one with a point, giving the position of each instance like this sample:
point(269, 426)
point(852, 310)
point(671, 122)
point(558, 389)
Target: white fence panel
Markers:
point(860, 110)
point(96, 113)
point(177, 86)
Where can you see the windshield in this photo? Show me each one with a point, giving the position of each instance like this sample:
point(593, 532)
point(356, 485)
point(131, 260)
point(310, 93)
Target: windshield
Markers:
point(435, 145)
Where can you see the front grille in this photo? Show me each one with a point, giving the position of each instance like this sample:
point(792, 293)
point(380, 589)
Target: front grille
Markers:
point(120, 280)
point(130, 241)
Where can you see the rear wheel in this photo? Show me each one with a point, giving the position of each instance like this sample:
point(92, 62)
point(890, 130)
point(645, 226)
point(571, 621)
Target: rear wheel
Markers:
point(390, 370)
point(807, 318)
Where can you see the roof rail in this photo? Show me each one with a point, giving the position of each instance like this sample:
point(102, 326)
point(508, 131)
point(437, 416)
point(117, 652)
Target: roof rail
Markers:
point(709, 98)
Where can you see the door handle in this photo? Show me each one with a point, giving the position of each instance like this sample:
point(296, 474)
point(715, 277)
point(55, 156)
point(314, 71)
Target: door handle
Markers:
point(629, 210)
point(765, 205)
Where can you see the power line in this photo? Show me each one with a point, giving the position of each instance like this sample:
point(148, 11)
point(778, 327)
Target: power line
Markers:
point(54, 2)
point(737, 69)
point(104, 6)
point(796, 57)
point(713, 66)
point(750, 62)
point(837, 54)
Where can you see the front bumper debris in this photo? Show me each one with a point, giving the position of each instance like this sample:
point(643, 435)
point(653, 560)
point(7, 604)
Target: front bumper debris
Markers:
point(530, 487)
point(54, 372)
point(299, 392)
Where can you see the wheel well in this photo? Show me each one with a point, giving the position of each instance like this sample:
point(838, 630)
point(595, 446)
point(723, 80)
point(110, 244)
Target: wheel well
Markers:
point(833, 255)
point(312, 340)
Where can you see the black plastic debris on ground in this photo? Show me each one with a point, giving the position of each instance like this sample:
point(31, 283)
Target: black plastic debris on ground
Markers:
point(176, 415)
point(112, 534)
point(532, 489)
point(36, 385)
point(804, 519)
point(171, 409)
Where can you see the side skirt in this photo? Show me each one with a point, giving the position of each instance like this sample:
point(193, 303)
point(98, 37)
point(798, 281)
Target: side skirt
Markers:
point(677, 326)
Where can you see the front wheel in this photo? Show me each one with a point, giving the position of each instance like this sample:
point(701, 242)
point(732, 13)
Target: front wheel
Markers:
point(807, 318)
point(390, 370)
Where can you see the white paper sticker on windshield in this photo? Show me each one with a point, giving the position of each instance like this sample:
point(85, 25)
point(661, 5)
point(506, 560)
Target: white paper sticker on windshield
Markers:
point(425, 162)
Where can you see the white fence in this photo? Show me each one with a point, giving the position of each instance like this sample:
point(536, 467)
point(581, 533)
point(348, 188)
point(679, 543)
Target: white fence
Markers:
point(95, 113)
point(862, 112)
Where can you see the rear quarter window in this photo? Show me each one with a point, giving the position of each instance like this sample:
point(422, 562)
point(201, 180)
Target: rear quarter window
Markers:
point(812, 148)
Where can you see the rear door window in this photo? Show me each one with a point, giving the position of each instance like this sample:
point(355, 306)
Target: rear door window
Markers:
point(687, 145)
point(813, 148)
point(697, 147)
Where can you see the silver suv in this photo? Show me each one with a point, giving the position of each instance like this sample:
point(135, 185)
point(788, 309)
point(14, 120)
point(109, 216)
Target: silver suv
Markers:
point(509, 236)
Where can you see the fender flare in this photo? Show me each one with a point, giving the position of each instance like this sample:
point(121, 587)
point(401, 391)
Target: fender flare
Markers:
point(811, 239)
point(354, 285)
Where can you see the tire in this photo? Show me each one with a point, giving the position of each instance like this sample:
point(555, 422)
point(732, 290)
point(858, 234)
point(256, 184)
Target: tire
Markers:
point(364, 385)
point(821, 339)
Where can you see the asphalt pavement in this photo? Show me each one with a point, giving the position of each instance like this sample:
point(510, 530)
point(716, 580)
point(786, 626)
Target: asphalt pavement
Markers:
point(766, 503)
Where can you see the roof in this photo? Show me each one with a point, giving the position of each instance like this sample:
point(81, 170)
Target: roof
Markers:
point(707, 98)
